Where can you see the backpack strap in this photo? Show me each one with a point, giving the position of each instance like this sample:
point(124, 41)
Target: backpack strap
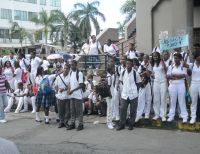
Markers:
point(63, 81)
point(134, 74)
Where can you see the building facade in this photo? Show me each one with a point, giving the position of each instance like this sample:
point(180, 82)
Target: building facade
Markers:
point(21, 11)
point(171, 17)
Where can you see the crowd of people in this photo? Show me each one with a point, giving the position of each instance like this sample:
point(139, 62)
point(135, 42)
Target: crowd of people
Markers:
point(126, 90)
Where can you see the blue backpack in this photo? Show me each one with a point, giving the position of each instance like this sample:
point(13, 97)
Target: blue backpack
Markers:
point(45, 87)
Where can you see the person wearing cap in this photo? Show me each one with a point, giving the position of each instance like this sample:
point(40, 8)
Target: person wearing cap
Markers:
point(176, 74)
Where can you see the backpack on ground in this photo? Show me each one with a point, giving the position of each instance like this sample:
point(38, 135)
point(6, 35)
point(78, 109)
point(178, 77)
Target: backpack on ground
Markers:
point(45, 87)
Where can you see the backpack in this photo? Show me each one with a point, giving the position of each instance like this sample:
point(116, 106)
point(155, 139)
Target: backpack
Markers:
point(77, 78)
point(103, 89)
point(134, 74)
point(45, 87)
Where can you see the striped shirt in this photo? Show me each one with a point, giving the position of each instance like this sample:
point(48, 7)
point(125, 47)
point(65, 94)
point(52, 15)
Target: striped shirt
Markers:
point(2, 84)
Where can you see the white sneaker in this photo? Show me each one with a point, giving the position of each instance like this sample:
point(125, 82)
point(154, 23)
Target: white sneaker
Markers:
point(16, 111)
point(22, 111)
point(170, 119)
point(184, 120)
point(3, 121)
point(146, 117)
point(193, 120)
point(155, 118)
point(137, 119)
point(33, 111)
point(110, 126)
point(164, 119)
point(6, 110)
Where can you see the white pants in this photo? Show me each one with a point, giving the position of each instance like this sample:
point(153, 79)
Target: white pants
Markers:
point(115, 104)
point(109, 110)
point(19, 101)
point(159, 98)
point(177, 91)
point(195, 92)
point(11, 82)
point(30, 100)
point(144, 101)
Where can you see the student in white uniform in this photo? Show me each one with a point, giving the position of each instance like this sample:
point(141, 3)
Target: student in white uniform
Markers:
point(195, 85)
point(23, 62)
point(17, 75)
point(145, 97)
point(159, 86)
point(35, 63)
point(9, 72)
point(110, 49)
point(166, 58)
point(30, 98)
point(177, 74)
point(129, 78)
point(63, 99)
point(76, 97)
point(132, 53)
point(18, 97)
point(45, 64)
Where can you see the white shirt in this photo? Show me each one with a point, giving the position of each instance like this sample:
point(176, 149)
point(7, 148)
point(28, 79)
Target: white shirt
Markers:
point(120, 69)
point(129, 88)
point(35, 63)
point(38, 79)
point(110, 49)
point(18, 74)
point(85, 48)
point(93, 97)
point(12, 61)
point(61, 85)
point(195, 72)
point(132, 54)
point(176, 70)
point(94, 48)
point(159, 73)
point(8, 73)
point(45, 65)
point(147, 67)
point(21, 92)
point(78, 94)
point(23, 63)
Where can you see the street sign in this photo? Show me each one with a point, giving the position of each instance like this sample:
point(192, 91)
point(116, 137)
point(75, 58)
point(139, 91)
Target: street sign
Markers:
point(174, 42)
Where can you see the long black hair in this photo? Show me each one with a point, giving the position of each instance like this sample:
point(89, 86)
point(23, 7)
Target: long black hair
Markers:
point(153, 62)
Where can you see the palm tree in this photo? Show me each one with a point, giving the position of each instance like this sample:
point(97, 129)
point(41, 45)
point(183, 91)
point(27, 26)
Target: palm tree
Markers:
point(121, 28)
point(46, 21)
point(62, 26)
point(128, 8)
point(86, 15)
point(20, 33)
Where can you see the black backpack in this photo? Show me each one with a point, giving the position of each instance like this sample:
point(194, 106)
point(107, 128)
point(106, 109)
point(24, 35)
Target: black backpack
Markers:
point(103, 89)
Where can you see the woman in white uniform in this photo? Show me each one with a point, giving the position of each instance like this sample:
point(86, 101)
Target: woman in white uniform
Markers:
point(177, 74)
point(9, 72)
point(159, 86)
point(195, 85)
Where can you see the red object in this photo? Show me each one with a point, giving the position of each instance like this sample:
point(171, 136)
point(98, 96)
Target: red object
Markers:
point(35, 89)
point(24, 77)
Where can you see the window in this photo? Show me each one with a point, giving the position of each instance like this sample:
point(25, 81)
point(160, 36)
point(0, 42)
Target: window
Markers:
point(20, 15)
point(31, 15)
point(28, 1)
point(6, 14)
point(196, 35)
point(55, 3)
point(4, 33)
point(42, 2)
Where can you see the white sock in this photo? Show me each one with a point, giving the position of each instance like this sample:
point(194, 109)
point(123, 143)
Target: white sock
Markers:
point(46, 118)
point(37, 117)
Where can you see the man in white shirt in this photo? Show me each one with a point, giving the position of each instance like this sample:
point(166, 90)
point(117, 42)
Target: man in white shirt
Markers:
point(132, 53)
point(35, 63)
point(76, 96)
point(45, 64)
point(129, 79)
point(94, 49)
point(23, 62)
point(12, 59)
point(63, 104)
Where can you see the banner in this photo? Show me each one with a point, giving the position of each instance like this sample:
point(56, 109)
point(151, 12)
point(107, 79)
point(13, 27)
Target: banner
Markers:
point(174, 42)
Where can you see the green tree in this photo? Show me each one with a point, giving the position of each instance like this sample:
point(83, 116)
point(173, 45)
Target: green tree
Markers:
point(121, 28)
point(128, 8)
point(46, 21)
point(17, 32)
point(85, 15)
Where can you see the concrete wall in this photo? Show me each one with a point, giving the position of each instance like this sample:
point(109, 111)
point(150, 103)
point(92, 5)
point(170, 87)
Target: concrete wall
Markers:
point(155, 16)
point(130, 27)
point(197, 17)
point(109, 33)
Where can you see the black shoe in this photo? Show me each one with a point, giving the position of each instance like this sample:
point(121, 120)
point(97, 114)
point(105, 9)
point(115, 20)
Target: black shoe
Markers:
point(67, 126)
point(61, 125)
point(38, 120)
point(120, 127)
point(130, 127)
point(72, 126)
point(80, 127)
point(46, 122)
point(57, 120)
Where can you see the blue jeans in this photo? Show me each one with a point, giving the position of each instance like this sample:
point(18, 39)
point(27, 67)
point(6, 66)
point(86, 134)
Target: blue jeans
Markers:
point(3, 104)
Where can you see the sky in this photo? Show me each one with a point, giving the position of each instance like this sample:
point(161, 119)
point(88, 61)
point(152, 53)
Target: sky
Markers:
point(110, 8)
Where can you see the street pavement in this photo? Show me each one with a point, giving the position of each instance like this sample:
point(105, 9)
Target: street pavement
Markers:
point(38, 138)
